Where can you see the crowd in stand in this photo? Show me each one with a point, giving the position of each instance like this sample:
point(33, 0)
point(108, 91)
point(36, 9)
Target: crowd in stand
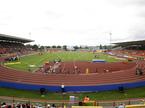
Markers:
point(13, 48)
point(8, 47)
point(10, 51)
point(27, 105)
point(128, 53)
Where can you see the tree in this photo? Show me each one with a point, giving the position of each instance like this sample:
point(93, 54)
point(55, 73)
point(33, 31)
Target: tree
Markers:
point(76, 47)
point(48, 46)
point(53, 46)
point(35, 47)
point(64, 47)
point(105, 47)
point(58, 46)
point(86, 47)
point(100, 47)
point(41, 47)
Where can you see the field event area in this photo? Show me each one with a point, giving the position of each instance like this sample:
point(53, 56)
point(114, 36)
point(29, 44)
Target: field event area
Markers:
point(35, 61)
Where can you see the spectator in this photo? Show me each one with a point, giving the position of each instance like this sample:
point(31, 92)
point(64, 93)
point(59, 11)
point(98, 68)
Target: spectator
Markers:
point(3, 105)
point(48, 105)
point(86, 99)
point(53, 106)
point(121, 106)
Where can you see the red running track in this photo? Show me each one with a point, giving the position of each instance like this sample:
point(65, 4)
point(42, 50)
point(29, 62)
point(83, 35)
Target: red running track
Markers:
point(118, 73)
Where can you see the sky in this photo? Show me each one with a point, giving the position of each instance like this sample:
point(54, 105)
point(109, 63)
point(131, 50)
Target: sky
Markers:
point(73, 22)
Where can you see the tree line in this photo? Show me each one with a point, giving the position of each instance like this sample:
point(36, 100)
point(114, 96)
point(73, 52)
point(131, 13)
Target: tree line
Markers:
point(65, 47)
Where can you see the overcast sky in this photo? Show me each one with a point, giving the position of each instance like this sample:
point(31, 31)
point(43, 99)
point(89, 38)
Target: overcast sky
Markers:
point(73, 22)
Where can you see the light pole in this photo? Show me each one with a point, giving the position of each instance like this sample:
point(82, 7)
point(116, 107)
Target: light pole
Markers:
point(110, 34)
point(30, 35)
point(110, 39)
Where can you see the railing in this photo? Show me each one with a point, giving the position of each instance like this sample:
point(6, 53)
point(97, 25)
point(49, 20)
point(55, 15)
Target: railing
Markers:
point(69, 103)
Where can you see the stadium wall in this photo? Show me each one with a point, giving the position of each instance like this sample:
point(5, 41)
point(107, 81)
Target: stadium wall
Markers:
point(93, 88)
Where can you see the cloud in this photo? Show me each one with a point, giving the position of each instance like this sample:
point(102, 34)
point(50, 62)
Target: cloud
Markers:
point(141, 13)
point(53, 14)
point(139, 34)
point(73, 21)
point(136, 2)
point(125, 3)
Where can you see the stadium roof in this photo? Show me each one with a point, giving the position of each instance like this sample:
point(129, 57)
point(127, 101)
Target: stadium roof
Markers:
point(4, 37)
point(139, 42)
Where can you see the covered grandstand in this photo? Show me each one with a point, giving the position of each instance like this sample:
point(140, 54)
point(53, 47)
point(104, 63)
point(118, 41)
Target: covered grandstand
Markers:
point(11, 46)
point(9, 38)
point(139, 44)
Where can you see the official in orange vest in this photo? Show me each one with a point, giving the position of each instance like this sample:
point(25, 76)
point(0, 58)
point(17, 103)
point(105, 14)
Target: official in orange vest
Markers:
point(86, 99)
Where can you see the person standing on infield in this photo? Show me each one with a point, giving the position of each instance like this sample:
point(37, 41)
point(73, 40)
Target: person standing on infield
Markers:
point(62, 88)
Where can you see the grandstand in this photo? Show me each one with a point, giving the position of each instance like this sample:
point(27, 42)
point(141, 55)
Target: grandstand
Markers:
point(11, 46)
point(139, 45)
point(8, 38)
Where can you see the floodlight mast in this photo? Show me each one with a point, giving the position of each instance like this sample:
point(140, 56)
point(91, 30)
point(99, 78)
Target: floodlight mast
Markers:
point(110, 34)
point(30, 35)
point(110, 39)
